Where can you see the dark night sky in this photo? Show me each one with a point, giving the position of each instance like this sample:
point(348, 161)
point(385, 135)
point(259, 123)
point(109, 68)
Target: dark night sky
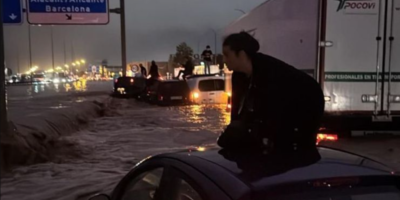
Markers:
point(154, 28)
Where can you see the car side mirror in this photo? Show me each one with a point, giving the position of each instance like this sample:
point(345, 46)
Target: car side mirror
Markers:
point(100, 197)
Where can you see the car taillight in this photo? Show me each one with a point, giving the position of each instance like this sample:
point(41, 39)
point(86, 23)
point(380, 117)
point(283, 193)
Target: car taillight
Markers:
point(132, 80)
point(160, 98)
point(116, 80)
point(327, 137)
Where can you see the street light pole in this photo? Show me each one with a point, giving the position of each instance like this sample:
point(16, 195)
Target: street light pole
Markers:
point(123, 37)
point(215, 41)
point(215, 44)
point(52, 47)
point(18, 67)
point(3, 101)
point(30, 46)
point(72, 51)
point(65, 51)
point(198, 47)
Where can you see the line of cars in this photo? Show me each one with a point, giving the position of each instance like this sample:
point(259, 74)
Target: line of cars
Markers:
point(199, 89)
point(41, 78)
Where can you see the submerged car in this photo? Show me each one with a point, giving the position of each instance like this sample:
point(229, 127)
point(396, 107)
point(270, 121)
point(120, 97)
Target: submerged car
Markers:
point(129, 86)
point(322, 174)
point(168, 92)
point(38, 78)
point(207, 89)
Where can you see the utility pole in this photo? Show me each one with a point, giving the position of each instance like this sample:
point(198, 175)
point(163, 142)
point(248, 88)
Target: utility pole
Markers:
point(215, 45)
point(72, 51)
point(30, 46)
point(123, 37)
point(198, 46)
point(18, 67)
point(65, 50)
point(215, 42)
point(3, 105)
point(52, 48)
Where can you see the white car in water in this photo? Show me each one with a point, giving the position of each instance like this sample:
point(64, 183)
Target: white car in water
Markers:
point(207, 89)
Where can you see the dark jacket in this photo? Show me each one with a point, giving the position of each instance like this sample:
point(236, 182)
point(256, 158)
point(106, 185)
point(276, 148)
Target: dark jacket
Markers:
point(143, 70)
point(207, 55)
point(283, 104)
point(154, 72)
point(189, 67)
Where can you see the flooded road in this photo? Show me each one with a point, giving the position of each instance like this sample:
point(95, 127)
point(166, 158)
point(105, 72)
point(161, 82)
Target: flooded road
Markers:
point(33, 100)
point(95, 159)
point(98, 157)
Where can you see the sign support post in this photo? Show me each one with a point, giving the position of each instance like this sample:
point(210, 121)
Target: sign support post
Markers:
point(3, 101)
point(123, 38)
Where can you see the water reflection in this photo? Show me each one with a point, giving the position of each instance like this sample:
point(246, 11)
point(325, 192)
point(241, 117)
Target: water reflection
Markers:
point(29, 91)
point(80, 99)
point(59, 106)
point(36, 89)
point(80, 85)
point(77, 86)
point(56, 87)
point(210, 117)
point(68, 87)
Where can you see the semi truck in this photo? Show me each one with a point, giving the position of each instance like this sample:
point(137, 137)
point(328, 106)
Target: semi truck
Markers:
point(351, 47)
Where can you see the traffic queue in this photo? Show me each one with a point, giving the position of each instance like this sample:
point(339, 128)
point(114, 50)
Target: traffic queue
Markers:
point(197, 89)
point(164, 91)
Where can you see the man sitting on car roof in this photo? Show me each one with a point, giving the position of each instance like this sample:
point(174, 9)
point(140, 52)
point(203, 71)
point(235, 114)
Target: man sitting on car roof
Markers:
point(275, 107)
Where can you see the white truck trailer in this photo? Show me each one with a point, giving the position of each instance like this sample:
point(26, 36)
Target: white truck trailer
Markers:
point(351, 47)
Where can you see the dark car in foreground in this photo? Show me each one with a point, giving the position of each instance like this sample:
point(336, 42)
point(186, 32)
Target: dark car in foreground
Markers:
point(322, 174)
point(129, 86)
point(168, 92)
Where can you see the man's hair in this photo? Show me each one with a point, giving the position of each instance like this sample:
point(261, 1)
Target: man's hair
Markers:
point(242, 41)
point(208, 46)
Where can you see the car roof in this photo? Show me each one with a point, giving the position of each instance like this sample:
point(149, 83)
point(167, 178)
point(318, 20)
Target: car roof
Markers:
point(205, 77)
point(259, 171)
point(172, 81)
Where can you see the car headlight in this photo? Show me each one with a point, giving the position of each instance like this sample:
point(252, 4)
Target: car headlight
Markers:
point(196, 95)
point(56, 80)
point(11, 81)
point(64, 80)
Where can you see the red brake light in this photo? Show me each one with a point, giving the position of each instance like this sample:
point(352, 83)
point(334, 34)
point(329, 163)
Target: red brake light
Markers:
point(131, 80)
point(327, 137)
point(116, 80)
